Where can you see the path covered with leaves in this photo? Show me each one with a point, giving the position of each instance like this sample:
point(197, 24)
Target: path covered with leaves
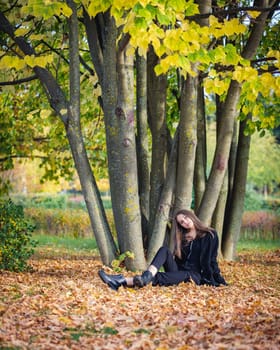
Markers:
point(63, 304)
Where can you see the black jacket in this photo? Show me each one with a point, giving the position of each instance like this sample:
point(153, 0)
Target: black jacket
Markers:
point(199, 257)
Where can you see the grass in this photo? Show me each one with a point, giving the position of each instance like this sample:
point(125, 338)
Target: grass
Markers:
point(258, 244)
point(56, 245)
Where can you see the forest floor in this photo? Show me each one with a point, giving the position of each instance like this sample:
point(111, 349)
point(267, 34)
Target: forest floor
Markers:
point(62, 304)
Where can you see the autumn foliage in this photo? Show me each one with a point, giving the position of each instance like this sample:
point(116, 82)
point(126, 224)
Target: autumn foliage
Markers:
point(261, 225)
point(16, 244)
point(62, 304)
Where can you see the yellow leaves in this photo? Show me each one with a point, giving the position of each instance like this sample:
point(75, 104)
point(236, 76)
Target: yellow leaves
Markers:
point(253, 14)
point(10, 62)
point(166, 63)
point(46, 9)
point(95, 7)
point(36, 36)
point(253, 87)
point(21, 31)
point(175, 60)
point(277, 86)
point(268, 83)
point(233, 27)
point(275, 54)
point(217, 85)
point(171, 39)
point(45, 113)
point(123, 4)
point(242, 74)
point(40, 61)
point(228, 28)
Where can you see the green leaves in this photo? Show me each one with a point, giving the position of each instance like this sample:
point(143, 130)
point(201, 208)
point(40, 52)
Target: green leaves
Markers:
point(46, 9)
point(16, 245)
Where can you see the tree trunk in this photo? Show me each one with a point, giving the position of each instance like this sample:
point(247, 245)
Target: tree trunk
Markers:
point(142, 142)
point(220, 211)
point(187, 144)
point(233, 220)
point(118, 98)
point(165, 204)
point(201, 152)
point(157, 121)
point(220, 162)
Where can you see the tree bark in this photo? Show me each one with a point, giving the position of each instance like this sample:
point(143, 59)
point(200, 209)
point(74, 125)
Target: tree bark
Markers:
point(201, 152)
point(234, 218)
point(187, 144)
point(220, 162)
point(220, 212)
point(165, 203)
point(201, 149)
point(142, 142)
point(157, 122)
point(128, 194)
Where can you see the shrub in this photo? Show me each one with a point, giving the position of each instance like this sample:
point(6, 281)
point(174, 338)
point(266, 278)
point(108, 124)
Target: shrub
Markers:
point(260, 225)
point(273, 204)
point(58, 222)
point(253, 200)
point(42, 201)
point(16, 245)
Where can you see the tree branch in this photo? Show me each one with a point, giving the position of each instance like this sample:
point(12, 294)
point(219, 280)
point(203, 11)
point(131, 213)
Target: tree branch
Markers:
point(19, 81)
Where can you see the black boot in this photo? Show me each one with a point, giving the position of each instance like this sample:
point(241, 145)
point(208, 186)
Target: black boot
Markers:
point(143, 280)
point(219, 279)
point(113, 281)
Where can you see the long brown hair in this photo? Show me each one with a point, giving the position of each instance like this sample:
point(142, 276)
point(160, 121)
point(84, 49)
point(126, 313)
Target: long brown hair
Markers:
point(201, 229)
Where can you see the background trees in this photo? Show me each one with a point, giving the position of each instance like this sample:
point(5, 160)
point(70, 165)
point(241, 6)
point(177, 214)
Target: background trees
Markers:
point(181, 54)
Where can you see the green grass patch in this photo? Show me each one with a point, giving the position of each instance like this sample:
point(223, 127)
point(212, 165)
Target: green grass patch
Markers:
point(55, 245)
point(259, 244)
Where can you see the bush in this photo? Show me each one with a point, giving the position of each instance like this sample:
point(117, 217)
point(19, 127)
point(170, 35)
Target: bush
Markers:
point(253, 200)
point(16, 245)
point(67, 223)
point(42, 201)
point(260, 225)
point(58, 222)
point(273, 204)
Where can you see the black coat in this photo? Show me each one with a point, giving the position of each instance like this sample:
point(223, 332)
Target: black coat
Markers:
point(199, 257)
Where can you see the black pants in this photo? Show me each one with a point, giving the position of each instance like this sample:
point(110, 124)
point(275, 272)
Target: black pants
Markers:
point(172, 274)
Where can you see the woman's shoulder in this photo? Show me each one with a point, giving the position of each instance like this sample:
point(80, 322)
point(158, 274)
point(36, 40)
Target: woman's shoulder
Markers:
point(209, 235)
point(213, 232)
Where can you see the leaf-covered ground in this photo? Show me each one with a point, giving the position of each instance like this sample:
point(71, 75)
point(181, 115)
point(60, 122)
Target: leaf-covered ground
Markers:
point(63, 304)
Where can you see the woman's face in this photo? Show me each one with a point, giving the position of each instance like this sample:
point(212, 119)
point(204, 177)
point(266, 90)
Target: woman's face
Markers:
point(188, 224)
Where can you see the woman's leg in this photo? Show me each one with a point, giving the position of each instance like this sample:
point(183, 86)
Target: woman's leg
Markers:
point(171, 278)
point(164, 258)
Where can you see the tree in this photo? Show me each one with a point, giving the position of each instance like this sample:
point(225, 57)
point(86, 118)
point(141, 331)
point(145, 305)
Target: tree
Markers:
point(263, 170)
point(211, 47)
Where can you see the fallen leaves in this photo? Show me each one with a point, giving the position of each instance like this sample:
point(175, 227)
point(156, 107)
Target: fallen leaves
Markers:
point(63, 304)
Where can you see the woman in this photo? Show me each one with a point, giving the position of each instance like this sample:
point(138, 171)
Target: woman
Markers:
point(194, 258)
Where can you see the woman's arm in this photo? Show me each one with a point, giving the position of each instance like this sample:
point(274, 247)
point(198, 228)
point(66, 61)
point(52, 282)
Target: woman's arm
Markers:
point(208, 256)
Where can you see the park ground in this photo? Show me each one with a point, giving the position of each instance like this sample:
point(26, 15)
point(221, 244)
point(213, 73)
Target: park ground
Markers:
point(62, 304)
